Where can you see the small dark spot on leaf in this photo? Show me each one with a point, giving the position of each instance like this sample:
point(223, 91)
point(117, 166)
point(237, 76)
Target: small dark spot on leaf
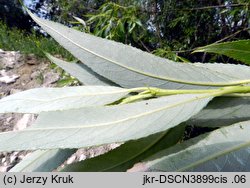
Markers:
point(241, 127)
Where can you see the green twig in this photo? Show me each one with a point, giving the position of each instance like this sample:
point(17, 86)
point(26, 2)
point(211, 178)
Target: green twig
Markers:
point(150, 92)
point(136, 98)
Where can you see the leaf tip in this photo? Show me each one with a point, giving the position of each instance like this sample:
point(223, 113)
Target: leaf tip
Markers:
point(139, 167)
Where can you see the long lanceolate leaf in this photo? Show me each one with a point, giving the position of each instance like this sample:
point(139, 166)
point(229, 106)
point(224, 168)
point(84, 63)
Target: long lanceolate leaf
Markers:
point(51, 99)
point(239, 50)
point(130, 67)
point(107, 124)
point(226, 149)
point(46, 99)
point(80, 71)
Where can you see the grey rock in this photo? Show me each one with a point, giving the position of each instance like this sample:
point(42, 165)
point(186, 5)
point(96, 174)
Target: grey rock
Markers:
point(7, 77)
point(9, 58)
point(50, 78)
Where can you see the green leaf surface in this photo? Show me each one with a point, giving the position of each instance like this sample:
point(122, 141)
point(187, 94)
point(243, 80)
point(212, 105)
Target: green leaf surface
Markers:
point(51, 99)
point(125, 156)
point(131, 67)
point(225, 149)
point(238, 50)
point(92, 126)
point(80, 71)
point(223, 111)
point(43, 160)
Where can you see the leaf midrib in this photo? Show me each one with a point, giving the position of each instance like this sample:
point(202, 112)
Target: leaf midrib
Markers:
point(224, 49)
